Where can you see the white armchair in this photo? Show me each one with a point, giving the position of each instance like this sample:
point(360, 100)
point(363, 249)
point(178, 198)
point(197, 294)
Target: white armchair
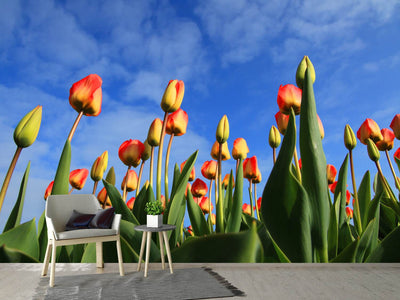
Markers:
point(59, 209)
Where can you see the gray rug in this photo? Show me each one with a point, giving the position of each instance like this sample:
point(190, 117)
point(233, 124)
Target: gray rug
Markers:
point(199, 283)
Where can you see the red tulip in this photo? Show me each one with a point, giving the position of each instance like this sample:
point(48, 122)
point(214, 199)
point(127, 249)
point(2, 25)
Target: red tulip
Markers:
point(199, 188)
point(349, 212)
point(77, 178)
point(130, 152)
point(282, 122)
point(192, 173)
point(289, 96)
point(247, 208)
point(332, 187)
point(395, 125)
point(331, 173)
point(204, 205)
point(47, 193)
point(259, 202)
point(177, 123)
point(209, 169)
point(388, 139)
point(132, 181)
point(348, 196)
point(300, 163)
point(369, 129)
point(250, 168)
point(86, 95)
point(190, 230)
point(397, 154)
point(130, 203)
point(240, 149)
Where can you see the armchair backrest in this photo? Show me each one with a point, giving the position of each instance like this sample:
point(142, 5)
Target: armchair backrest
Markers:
point(60, 207)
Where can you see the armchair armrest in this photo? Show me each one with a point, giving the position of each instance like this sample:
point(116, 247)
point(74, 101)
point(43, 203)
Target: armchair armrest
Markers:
point(116, 222)
point(51, 231)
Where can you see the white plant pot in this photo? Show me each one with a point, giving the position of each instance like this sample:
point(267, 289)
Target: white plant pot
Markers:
point(154, 221)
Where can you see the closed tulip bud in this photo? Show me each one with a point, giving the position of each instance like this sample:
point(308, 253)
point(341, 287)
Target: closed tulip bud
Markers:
point(349, 212)
point(388, 139)
point(173, 96)
point(259, 202)
point(204, 205)
point(224, 153)
point(213, 218)
point(177, 123)
point(247, 209)
point(199, 188)
point(240, 149)
point(348, 197)
point(250, 168)
point(209, 169)
point(28, 128)
point(97, 170)
point(395, 125)
point(49, 188)
point(77, 178)
point(321, 128)
point(289, 96)
point(130, 152)
point(301, 71)
point(222, 134)
point(331, 173)
point(131, 183)
point(192, 173)
point(104, 157)
point(103, 197)
point(373, 151)
point(110, 178)
point(274, 137)
point(130, 203)
point(147, 151)
point(225, 182)
point(154, 133)
point(86, 95)
point(282, 122)
point(396, 155)
point(369, 130)
point(349, 138)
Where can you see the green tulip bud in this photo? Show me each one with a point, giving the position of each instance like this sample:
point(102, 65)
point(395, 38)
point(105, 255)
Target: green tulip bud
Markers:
point(28, 128)
point(301, 71)
point(110, 178)
point(223, 130)
point(373, 151)
point(147, 151)
point(274, 137)
point(350, 140)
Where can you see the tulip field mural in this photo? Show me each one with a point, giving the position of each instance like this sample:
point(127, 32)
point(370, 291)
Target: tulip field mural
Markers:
point(302, 214)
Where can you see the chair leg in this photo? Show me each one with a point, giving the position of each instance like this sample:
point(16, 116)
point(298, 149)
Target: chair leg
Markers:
point(46, 259)
point(120, 260)
point(53, 264)
point(99, 255)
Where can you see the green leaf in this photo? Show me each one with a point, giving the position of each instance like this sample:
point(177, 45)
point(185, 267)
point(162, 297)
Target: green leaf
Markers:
point(348, 255)
point(314, 170)
point(196, 216)
point(345, 237)
point(387, 218)
point(23, 238)
point(364, 198)
point(14, 218)
point(243, 247)
point(365, 241)
point(10, 255)
point(140, 203)
point(333, 234)
point(340, 192)
point(374, 214)
point(61, 180)
point(42, 236)
point(119, 204)
point(285, 205)
point(387, 250)
point(235, 214)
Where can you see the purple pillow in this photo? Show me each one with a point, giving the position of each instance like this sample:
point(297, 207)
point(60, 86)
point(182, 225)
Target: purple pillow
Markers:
point(103, 218)
point(78, 221)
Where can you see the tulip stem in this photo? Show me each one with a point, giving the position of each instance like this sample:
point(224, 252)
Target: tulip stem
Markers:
point(274, 154)
point(126, 181)
point(219, 203)
point(386, 186)
point(10, 171)
point(255, 198)
point(70, 191)
point(296, 161)
point(140, 178)
point(151, 166)
point(166, 168)
point(209, 205)
point(251, 197)
point(159, 161)
point(73, 129)
point(95, 187)
point(396, 180)
point(356, 205)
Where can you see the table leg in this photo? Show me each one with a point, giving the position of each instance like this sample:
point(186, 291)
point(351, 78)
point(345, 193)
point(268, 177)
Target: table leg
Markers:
point(160, 237)
point(141, 250)
point(146, 264)
point(168, 251)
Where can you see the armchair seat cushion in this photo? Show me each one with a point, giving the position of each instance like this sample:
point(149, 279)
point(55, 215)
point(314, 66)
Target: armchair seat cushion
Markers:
point(85, 233)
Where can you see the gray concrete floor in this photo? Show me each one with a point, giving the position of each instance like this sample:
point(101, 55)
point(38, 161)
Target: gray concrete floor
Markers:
point(258, 281)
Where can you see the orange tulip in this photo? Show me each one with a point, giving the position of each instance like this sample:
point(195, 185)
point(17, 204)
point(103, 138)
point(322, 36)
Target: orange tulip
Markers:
point(204, 205)
point(225, 182)
point(395, 125)
point(369, 129)
point(103, 197)
point(177, 123)
point(247, 209)
point(289, 96)
point(259, 202)
point(154, 133)
point(209, 169)
point(190, 230)
point(131, 183)
point(332, 187)
point(199, 188)
point(47, 193)
point(163, 202)
point(77, 178)
point(250, 168)
point(225, 151)
point(388, 139)
point(282, 122)
point(240, 149)
point(130, 152)
point(130, 203)
point(397, 154)
point(349, 212)
point(192, 173)
point(258, 178)
point(331, 173)
point(348, 196)
point(86, 95)
point(173, 96)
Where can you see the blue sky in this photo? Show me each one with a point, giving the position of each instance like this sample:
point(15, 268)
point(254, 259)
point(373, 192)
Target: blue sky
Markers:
point(232, 56)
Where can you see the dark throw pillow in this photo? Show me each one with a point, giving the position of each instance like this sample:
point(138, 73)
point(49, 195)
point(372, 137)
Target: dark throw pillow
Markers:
point(79, 221)
point(103, 218)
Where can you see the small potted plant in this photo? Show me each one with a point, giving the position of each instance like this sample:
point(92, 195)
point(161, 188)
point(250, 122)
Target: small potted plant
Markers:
point(154, 211)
